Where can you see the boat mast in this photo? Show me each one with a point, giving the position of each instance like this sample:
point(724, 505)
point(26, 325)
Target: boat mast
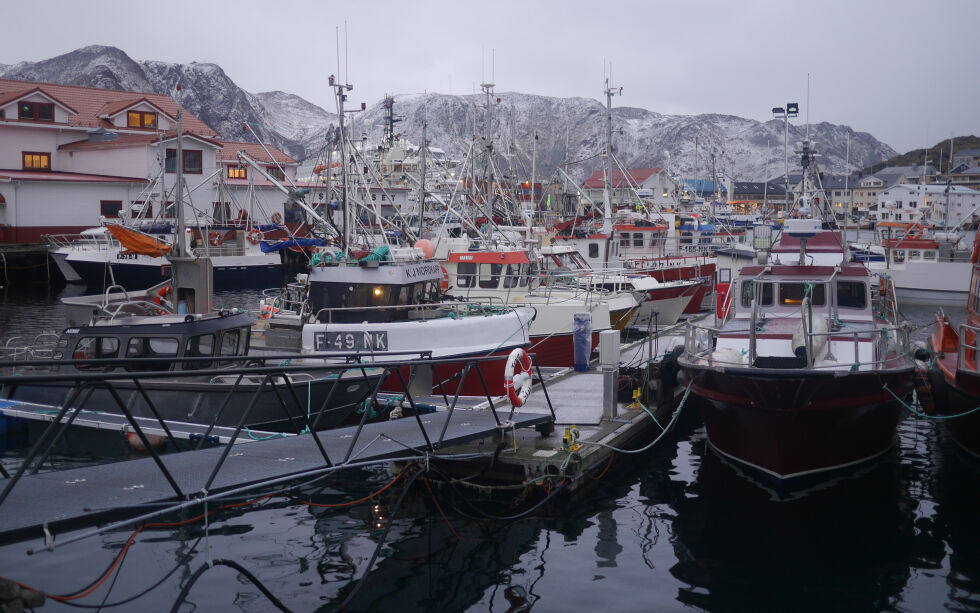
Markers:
point(339, 90)
point(179, 187)
point(607, 170)
point(422, 171)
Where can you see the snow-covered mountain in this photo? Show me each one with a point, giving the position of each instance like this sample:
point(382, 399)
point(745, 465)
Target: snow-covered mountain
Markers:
point(570, 131)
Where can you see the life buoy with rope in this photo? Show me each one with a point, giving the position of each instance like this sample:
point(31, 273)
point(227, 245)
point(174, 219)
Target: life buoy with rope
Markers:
point(215, 239)
point(277, 217)
point(254, 236)
point(444, 284)
point(163, 291)
point(913, 231)
point(517, 377)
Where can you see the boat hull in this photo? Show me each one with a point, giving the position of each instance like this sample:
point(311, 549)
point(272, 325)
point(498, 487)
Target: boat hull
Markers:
point(201, 402)
point(956, 398)
point(705, 272)
point(786, 427)
point(449, 374)
point(229, 272)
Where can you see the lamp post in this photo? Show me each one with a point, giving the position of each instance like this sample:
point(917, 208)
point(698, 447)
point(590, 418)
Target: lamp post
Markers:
point(792, 110)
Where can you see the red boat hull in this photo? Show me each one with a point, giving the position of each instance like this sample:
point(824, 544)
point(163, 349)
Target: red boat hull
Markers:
point(557, 349)
point(786, 426)
point(450, 373)
point(705, 272)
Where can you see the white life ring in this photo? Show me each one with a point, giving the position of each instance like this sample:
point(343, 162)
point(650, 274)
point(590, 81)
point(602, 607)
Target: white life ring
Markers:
point(254, 236)
point(517, 377)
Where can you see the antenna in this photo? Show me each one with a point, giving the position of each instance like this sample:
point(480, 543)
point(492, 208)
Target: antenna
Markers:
point(346, 55)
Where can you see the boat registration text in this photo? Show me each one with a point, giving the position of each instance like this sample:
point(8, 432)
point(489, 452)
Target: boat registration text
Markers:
point(351, 341)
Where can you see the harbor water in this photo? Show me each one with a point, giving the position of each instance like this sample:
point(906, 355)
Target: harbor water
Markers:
point(674, 529)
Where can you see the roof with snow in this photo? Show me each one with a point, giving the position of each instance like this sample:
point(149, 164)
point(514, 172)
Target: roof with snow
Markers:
point(132, 140)
point(88, 103)
point(637, 176)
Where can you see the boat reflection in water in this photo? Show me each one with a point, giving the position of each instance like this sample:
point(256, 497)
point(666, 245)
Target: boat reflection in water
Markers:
point(848, 547)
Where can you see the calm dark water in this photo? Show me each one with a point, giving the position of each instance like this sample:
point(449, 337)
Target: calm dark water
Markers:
point(674, 529)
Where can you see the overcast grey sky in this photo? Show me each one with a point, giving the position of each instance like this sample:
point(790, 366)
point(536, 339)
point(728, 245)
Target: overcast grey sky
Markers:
point(904, 71)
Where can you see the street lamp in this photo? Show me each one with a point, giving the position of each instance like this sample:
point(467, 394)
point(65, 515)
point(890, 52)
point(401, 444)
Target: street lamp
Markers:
point(792, 110)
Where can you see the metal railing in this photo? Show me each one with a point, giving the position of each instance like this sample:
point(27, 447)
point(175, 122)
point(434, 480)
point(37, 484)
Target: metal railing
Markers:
point(889, 343)
point(969, 345)
point(436, 310)
point(281, 379)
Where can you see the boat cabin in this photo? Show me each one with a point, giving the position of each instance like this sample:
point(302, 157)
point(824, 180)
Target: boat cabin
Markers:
point(842, 293)
point(474, 271)
point(165, 339)
point(372, 290)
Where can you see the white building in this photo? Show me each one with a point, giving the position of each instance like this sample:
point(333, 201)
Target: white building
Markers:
point(70, 155)
point(926, 204)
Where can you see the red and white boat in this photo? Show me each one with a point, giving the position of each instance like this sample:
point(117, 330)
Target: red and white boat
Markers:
point(955, 374)
point(512, 277)
point(385, 306)
point(800, 374)
point(662, 304)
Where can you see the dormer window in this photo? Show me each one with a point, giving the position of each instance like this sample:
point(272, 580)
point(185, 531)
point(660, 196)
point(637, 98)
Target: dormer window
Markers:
point(36, 111)
point(141, 119)
point(237, 172)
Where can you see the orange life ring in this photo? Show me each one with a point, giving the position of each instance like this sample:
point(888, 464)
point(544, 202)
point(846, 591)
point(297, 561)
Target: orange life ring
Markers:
point(254, 236)
point(517, 377)
point(444, 284)
point(913, 231)
point(277, 217)
point(215, 239)
point(163, 291)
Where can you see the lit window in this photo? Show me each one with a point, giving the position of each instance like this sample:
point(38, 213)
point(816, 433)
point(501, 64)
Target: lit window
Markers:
point(140, 119)
point(37, 161)
point(237, 172)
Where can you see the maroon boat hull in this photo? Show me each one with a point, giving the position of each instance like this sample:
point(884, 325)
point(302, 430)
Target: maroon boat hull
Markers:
point(696, 272)
point(786, 426)
point(449, 373)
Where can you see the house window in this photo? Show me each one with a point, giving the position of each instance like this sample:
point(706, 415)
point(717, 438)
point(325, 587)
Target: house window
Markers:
point(237, 172)
point(38, 111)
point(34, 160)
point(110, 208)
point(193, 161)
point(276, 173)
point(140, 119)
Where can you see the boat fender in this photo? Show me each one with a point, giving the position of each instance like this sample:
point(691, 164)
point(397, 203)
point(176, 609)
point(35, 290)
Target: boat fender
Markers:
point(921, 352)
point(728, 355)
point(188, 319)
point(517, 377)
point(820, 328)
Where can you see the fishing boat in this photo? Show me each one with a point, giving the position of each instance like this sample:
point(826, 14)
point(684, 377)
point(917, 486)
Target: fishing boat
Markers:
point(662, 302)
point(954, 374)
point(133, 333)
point(385, 306)
point(928, 267)
point(804, 374)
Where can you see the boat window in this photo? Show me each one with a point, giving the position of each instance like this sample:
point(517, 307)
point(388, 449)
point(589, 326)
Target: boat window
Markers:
point(593, 250)
point(198, 347)
point(230, 342)
point(638, 239)
point(151, 347)
point(793, 293)
point(432, 288)
point(763, 289)
point(95, 348)
point(403, 296)
point(490, 275)
point(522, 275)
point(928, 255)
point(465, 274)
point(898, 256)
point(624, 239)
point(852, 295)
point(511, 275)
point(916, 254)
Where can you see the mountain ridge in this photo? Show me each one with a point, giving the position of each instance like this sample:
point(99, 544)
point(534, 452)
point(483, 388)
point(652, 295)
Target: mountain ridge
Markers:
point(570, 131)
